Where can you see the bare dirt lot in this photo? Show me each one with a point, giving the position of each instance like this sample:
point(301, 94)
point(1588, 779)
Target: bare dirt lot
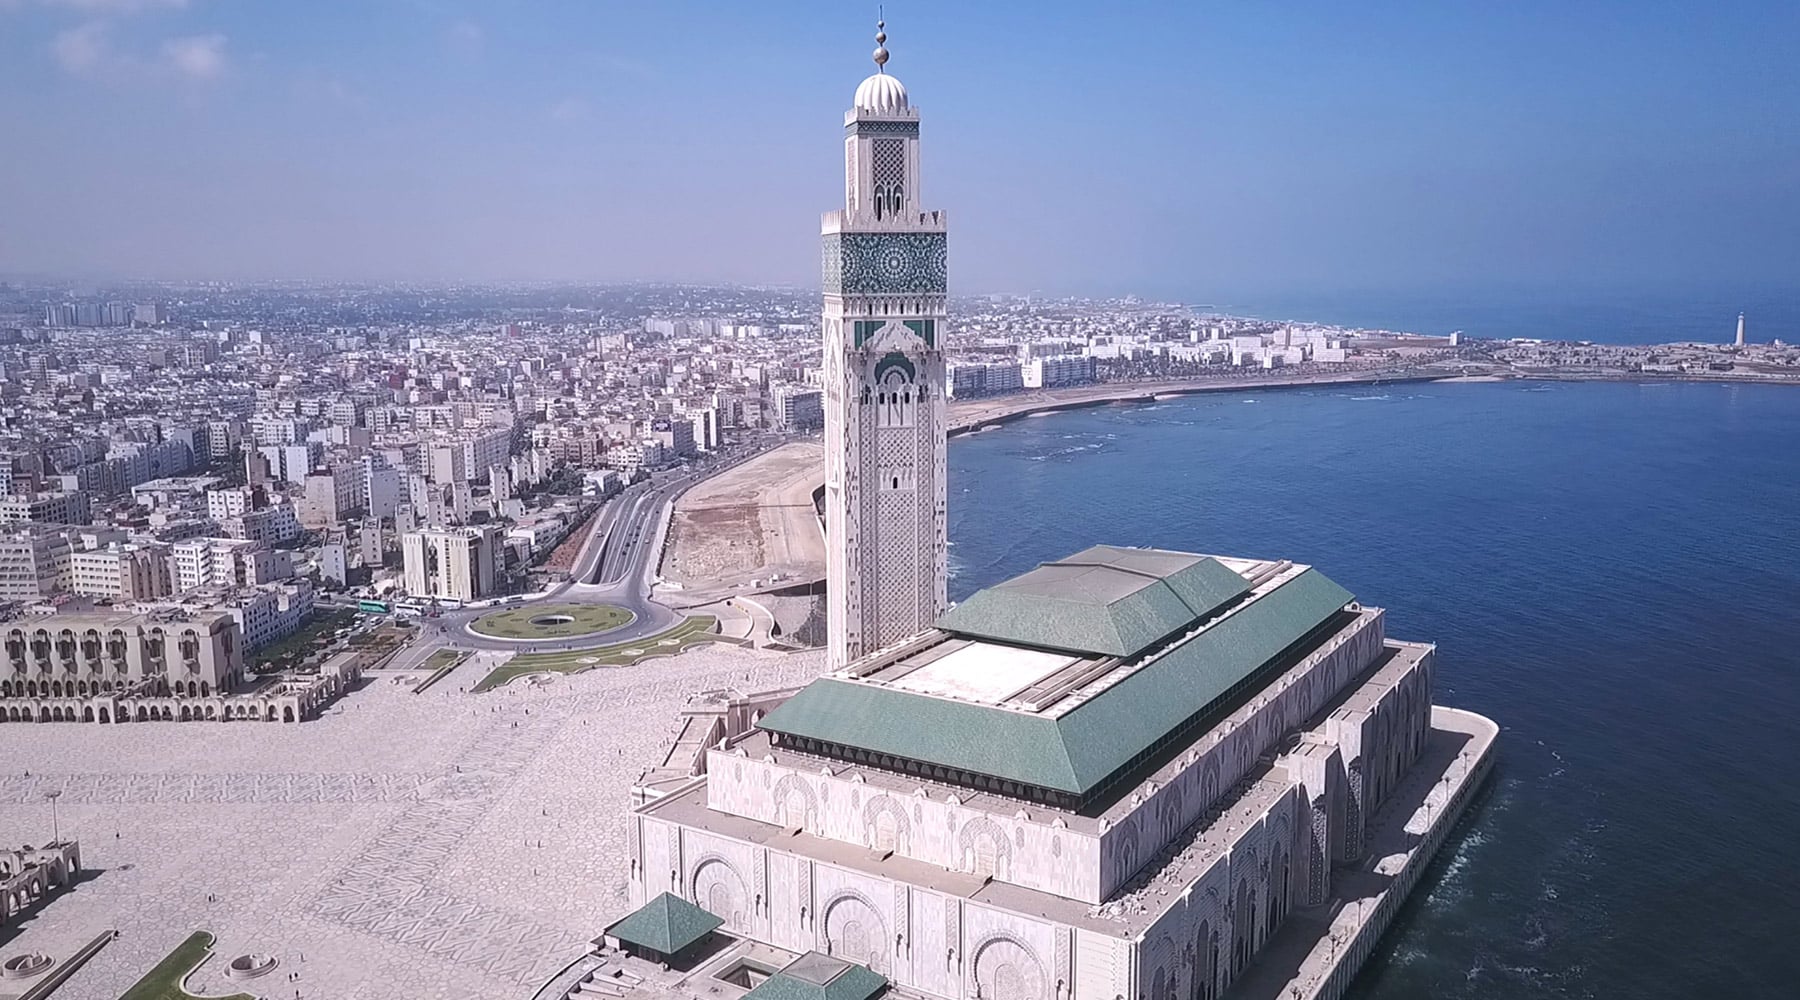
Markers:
point(754, 522)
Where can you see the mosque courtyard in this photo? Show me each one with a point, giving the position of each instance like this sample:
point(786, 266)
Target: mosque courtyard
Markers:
point(433, 845)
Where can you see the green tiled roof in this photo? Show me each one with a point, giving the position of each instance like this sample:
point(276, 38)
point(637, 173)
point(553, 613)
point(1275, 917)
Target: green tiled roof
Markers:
point(1106, 601)
point(813, 976)
point(666, 924)
point(1078, 751)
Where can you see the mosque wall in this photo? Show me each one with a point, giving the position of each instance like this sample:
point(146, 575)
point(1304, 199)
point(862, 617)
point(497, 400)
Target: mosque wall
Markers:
point(1220, 921)
point(1158, 812)
point(1030, 846)
point(931, 941)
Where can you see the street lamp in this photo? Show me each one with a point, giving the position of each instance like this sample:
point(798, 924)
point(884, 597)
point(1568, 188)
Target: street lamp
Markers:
point(55, 829)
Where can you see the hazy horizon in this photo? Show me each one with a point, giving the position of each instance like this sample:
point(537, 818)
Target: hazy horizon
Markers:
point(1225, 154)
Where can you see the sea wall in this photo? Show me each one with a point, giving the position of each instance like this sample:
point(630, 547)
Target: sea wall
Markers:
point(1354, 951)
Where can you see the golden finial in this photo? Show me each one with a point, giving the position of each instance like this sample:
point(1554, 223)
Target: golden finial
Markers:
point(881, 52)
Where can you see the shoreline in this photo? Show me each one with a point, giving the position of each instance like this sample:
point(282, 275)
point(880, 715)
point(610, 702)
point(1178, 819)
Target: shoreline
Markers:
point(992, 411)
point(984, 412)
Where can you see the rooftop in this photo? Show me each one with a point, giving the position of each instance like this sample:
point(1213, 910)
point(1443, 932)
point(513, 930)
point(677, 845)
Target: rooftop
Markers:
point(666, 924)
point(102, 620)
point(978, 696)
point(814, 976)
point(1105, 600)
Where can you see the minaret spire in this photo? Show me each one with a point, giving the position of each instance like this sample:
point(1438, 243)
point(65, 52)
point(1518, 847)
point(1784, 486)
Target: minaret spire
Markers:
point(881, 52)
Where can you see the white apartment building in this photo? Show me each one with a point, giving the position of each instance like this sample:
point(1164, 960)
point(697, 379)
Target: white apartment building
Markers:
point(706, 428)
point(458, 564)
point(1062, 369)
point(67, 507)
point(34, 561)
point(227, 562)
point(266, 613)
point(291, 462)
point(331, 494)
point(269, 429)
point(799, 407)
point(384, 488)
point(984, 378)
point(269, 525)
point(629, 458)
point(459, 459)
point(122, 572)
point(221, 504)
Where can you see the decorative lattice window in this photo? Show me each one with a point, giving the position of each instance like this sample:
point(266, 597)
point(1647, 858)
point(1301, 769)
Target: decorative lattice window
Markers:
point(890, 163)
point(889, 176)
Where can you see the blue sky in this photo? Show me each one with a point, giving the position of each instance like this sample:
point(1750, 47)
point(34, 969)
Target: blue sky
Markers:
point(1195, 149)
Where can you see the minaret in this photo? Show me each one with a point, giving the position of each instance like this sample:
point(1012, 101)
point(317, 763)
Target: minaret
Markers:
point(885, 322)
point(1740, 336)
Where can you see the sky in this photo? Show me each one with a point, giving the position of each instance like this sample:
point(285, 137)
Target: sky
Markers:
point(1196, 150)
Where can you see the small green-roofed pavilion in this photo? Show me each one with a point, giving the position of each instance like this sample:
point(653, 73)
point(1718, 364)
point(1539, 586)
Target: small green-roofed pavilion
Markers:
point(1103, 601)
point(666, 925)
point(816, 976)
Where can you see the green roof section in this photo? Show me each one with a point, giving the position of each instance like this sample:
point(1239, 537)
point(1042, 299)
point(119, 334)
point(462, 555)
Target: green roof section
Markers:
point(814, 976)
point(666, 924)
point(1078, 751)
point(1105, 601)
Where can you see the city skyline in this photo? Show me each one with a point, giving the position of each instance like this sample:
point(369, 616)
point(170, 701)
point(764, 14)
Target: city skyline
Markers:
point(1215, 153)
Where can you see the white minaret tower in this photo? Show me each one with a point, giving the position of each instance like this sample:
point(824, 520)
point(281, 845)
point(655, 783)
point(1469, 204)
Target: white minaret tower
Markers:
point(1740, 336)
point(885, 322)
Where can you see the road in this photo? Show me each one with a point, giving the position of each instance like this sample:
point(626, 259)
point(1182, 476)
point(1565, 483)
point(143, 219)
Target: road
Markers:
point(616, 566)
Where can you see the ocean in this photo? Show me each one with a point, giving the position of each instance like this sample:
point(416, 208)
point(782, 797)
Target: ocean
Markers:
point(1611, 571)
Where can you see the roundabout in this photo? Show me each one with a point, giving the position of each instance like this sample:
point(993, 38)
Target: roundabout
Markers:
point(551, 621)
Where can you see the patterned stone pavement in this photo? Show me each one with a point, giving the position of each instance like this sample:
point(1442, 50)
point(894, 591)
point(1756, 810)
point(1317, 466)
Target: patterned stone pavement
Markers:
point(442, 845)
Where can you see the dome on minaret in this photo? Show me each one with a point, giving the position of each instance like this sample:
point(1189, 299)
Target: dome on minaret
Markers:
point(881, 94)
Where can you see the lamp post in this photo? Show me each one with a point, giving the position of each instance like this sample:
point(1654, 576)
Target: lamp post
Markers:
point(55, 829)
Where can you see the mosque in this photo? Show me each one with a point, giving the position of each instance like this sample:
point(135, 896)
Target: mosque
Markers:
point(1129, 774)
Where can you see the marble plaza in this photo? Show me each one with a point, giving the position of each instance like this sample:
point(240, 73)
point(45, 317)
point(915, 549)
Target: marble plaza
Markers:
point(438, 845)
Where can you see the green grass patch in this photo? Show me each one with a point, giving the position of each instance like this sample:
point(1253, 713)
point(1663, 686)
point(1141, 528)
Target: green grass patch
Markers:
point(291, 650)
point(443, 658)
point(440, 664)
point(551, 621)
point(164, 981)
point(692, 631)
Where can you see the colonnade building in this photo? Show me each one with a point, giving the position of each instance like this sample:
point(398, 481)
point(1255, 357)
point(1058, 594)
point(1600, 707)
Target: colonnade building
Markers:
point(162, 666)
point(164, 653)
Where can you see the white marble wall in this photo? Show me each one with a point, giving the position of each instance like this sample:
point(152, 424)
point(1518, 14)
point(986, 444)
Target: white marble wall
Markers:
point(1380, 740)
point(1033, 847)
point(1225, 755)
point(928, 941)
point(1199, 944)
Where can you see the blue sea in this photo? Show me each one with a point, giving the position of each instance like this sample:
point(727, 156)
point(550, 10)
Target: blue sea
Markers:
point(1611, 571)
